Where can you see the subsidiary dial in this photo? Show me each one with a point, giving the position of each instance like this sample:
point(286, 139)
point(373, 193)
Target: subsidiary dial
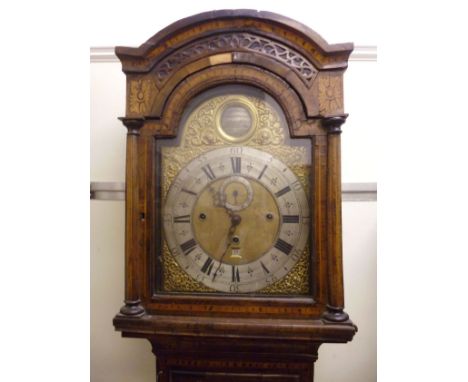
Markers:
point(236, 193)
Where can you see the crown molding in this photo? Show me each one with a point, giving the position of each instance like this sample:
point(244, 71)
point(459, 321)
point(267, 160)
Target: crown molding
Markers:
point(106, 54)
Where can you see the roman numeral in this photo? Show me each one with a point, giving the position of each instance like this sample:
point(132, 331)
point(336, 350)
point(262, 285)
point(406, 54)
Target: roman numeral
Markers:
point(283, 246)
point(263, 171)
point(290, 218)
point(208, 266)
point(188, 192)
point(188, 246)
point(283, 191)
point(265, 269)
point(209, 172)
point(236, 164)
point(235, 274)
point(182, 219)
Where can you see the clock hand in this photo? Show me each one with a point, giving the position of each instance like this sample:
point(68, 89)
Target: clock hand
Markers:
point(218, 200)
point(235, 221)
point(235, 193)
point(231, 232)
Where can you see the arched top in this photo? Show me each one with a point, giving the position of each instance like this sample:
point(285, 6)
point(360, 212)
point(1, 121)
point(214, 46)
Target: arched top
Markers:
point(275, 46)
point(283, 29)
point(198, 83)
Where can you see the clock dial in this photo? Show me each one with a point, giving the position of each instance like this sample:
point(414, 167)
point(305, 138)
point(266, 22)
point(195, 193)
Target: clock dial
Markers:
point(236, 219)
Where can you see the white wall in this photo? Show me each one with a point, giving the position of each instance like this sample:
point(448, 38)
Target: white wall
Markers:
point(356, 361)
point(122, 360)
point(112, 357)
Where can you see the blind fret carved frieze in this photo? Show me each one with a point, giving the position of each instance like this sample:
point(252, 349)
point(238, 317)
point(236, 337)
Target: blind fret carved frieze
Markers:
point(238, 41)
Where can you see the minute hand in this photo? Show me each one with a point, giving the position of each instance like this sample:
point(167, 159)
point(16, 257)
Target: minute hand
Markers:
point(235, 221)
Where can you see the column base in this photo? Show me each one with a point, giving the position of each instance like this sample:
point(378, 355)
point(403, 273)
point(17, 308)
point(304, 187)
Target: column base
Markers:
point(132, 308)
point(335, 314)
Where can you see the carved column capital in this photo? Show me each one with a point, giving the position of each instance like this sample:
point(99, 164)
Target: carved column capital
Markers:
point(133, 125)
point(333, 123)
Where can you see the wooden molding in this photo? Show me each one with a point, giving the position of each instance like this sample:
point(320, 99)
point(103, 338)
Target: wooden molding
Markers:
point(106, 54)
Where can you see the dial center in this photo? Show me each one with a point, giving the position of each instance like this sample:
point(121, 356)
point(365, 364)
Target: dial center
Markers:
point(238, 224)
point(235, 220)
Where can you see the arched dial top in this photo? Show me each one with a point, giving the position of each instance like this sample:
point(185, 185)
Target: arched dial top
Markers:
point(236, 219)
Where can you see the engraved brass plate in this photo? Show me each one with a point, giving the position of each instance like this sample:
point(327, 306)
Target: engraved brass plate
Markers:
point(221, 121)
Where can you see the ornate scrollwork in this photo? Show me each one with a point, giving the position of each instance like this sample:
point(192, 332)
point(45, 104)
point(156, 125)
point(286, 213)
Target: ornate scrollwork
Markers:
point(296, 281)
point(239, 41)
point(175, 279)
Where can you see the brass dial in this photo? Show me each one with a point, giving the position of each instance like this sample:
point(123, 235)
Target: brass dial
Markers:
point(213, 217)
point(236, 219)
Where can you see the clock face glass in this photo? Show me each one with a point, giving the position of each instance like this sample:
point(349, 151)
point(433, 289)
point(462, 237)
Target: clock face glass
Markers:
point(234, 201)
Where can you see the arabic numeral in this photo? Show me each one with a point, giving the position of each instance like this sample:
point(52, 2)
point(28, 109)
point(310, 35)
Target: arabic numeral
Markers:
point(271, 279)
point(296, 185)
point(177, 184)
point(167, 218)
point(236, 150)
point(296, 254)
point(234, 288)
point(202, 158)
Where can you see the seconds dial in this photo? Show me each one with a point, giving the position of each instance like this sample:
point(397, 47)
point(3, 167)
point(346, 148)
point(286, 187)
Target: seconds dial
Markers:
point(236, 219)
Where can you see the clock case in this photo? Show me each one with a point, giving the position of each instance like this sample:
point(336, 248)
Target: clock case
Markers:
point(195, 334)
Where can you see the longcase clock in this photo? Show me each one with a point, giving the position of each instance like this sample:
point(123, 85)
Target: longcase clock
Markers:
point(233, 237)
